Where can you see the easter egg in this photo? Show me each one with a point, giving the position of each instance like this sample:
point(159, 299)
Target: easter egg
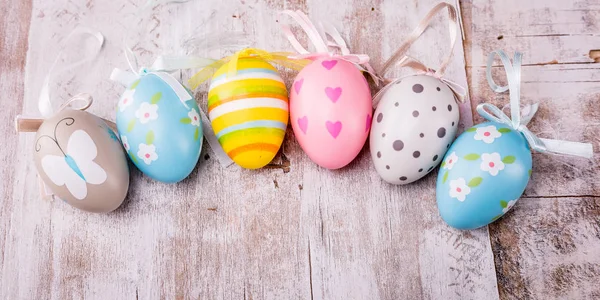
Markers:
point(330, 107)
point(248, 111)
point(159, 125)
point(81, 160)
point(413, 126)
point(483, 175)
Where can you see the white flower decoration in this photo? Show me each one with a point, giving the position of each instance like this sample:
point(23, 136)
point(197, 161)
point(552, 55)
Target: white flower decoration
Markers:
point(125, 143)
point(126, 100)
point(147, 153)
point(459, 189)
point(491, 162)
point(450, 161)
point(487, 134)
point(194, 117)
point(147, 112)
point(509, 205)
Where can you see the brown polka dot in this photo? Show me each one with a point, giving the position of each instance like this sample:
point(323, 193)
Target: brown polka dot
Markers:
point(417, 88)
point(435, 157)
point(379, 154)
point(441, 132)
point(447, 146)
point(452, 123)
point(398, 145)
point(416, 154)
point(396, 104)
point(430, 168)
point(379, 117)
point(438, 89)
point(421, 135)
point(433, 108)
point(403, 178)
point(415, 113)
point(383, 135)
point(420, 170)
point(387, 167)
point(449, 107)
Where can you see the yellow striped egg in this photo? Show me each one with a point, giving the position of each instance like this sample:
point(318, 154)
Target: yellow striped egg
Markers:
point(249, 111)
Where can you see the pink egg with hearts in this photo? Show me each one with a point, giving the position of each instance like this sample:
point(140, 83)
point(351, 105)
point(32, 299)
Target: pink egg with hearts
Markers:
point(330, 111)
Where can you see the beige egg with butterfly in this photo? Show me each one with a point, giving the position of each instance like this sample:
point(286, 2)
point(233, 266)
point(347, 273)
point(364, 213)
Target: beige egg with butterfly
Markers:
point(81, 160)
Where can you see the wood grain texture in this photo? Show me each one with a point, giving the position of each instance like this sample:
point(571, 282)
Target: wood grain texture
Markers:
point(548, 247)
point(290, 231)
point(14, 29)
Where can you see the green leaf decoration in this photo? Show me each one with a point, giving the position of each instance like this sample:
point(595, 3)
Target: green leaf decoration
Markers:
point(472, 129)
point(133, 158)
point(503, 203)
point(134, 85)
point(445, 177)
point(508, 159)
point(443, 164)
point(185, 120)
point(475, 182)
point(156, 98)
point(504, 130)
point(196, 134)
point(530, 172)
point(472, 156)
point(150, 137)
point(130, 125)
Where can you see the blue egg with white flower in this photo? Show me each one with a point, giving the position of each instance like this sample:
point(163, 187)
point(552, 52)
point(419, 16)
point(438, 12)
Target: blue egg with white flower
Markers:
point(483, 174)
point(159, 125)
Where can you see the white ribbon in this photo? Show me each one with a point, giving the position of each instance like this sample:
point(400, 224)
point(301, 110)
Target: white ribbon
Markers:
point(399, 59)
point(161, 68)
point(44, 101)
point(519, 122)
point(322, 45)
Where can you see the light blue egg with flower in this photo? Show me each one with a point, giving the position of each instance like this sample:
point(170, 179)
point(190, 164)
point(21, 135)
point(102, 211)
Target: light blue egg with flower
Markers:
point(484, 173)
point(160, 127)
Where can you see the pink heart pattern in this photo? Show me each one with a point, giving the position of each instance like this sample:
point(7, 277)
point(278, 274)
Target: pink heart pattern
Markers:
point(368, 123)
point(303, 123)
point(334, 128)
point(333, 93)
point(329, 64)
point(298, 85)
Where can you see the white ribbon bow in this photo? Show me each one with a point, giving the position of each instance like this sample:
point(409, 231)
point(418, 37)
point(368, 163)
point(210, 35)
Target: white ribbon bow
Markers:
point(322, 45)
point(518, 122)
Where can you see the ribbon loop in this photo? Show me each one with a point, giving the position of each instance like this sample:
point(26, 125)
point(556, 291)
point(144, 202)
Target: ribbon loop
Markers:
point(44, 102)
point(399, 55)
point(322, 43)
point(400, 59)
point(519, 122)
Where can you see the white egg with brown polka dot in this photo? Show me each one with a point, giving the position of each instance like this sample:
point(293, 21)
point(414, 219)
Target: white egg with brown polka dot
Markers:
point(413, 126)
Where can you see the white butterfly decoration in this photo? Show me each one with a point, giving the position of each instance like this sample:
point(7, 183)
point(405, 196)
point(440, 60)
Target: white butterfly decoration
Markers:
point(76, 168)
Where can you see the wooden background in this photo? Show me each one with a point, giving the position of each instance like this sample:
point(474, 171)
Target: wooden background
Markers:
point(294, 230)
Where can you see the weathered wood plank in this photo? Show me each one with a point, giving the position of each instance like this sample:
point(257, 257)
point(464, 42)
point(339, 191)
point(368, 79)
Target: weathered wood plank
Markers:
point(546, 248)
point(14, 29)
point(549, 32)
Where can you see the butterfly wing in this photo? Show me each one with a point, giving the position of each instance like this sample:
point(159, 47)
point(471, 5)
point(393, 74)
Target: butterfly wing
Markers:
point(59, 172)
point(83, 150)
